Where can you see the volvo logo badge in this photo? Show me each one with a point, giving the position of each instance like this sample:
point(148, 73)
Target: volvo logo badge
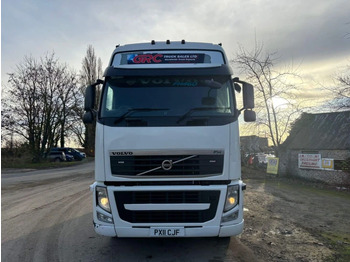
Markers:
point(167, 164)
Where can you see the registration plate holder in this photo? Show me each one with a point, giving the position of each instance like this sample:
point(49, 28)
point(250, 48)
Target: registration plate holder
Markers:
point(167, 232)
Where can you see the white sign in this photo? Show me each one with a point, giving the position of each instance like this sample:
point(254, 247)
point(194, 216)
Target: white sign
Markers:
point(310, 161)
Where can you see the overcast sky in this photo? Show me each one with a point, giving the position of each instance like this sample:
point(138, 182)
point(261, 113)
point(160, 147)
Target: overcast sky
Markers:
point(312, 34)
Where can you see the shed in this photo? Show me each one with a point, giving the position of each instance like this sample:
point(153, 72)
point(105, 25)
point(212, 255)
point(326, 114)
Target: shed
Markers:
point(318, 148)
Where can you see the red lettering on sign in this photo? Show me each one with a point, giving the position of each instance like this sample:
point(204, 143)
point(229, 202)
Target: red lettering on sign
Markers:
point(148, 58)
point(155, 58)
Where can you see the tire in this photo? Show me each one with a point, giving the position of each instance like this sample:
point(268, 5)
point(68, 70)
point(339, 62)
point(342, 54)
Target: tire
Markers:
point(57, 160)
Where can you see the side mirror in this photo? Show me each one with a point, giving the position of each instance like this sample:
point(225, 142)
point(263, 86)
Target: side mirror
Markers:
point(248, 96)
point(88, 117)
point(249, 116)
point(90, 94)
point(237, 87)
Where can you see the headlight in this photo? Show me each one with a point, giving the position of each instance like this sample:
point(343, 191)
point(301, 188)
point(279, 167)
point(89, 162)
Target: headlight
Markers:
point(102, 198)
point(231, 197)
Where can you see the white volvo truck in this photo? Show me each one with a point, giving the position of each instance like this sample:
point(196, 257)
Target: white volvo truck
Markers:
point(167, 156)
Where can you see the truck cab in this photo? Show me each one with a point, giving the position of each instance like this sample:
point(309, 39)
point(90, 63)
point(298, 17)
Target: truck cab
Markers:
point(167, 156)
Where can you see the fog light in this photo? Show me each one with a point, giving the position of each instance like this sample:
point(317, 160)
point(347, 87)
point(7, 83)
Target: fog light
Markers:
point(104, 218)
point(230, 217)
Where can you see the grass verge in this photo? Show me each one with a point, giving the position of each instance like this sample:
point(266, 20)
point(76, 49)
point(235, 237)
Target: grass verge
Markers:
point(40, 165)
point(340, 243)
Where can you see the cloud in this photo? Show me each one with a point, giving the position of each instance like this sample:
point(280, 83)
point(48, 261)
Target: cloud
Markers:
point(304, 31)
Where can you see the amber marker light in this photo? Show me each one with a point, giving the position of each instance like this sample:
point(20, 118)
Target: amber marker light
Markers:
point(102, 198)
point(231, 197)
point(232, 200)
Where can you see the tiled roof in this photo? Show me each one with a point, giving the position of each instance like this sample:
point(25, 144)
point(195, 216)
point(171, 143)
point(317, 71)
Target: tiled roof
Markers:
point(320, 131)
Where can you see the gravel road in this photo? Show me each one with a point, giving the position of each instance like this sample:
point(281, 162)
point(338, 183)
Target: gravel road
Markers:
point(47, 216)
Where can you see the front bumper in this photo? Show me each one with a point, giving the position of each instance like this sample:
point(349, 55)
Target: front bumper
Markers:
point(222, 231)
point(214, 227)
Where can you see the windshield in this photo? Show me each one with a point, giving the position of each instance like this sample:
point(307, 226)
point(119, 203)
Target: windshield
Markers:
point(167, 101)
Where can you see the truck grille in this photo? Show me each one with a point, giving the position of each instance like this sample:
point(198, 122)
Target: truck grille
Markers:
point(167, 197)
point(158, 165)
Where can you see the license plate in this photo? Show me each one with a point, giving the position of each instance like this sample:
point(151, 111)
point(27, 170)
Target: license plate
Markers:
point(167, 232)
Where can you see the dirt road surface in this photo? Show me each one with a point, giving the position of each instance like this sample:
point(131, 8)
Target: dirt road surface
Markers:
point(295, 220)
point(47, 216)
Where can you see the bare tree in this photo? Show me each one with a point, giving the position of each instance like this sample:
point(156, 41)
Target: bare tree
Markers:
point(69, 97)
point(38, 102)
point(276, 102)
point(91, 71)
point(7, 129)
point(89, 67)
point(341, 90)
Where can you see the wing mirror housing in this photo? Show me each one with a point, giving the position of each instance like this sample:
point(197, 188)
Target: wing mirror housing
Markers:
point(249, 116)
point(88, 117)
point(248, 99)
point(90, 96)
point(248, 96)
point(89, 103)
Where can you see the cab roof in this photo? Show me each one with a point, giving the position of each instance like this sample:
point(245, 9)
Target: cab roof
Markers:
point(168, 45)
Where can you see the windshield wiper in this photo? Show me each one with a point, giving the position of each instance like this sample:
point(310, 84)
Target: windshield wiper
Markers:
point(133, 110)
point(189, 112)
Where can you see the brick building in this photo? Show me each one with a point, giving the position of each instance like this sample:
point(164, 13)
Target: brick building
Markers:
point(318, 148)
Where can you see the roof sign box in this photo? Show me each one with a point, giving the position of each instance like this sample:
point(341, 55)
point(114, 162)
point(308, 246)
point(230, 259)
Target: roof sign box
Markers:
point(158, 58)
point(168, 59)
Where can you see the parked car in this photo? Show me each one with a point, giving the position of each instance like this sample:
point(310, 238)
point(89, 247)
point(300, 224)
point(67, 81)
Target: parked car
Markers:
point(69, 158)
point(82, 153)
point(56, 156)
point(69, 151)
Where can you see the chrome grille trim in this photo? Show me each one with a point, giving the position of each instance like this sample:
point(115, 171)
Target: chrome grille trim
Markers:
point(167, 165)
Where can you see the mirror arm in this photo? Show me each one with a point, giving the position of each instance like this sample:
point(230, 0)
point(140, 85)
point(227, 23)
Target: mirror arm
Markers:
point(98, 82)
point(244, 108)
point(236, 80)
point(94, 112)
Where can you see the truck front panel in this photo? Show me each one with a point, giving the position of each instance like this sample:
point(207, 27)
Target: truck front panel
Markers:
point(167, 144)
